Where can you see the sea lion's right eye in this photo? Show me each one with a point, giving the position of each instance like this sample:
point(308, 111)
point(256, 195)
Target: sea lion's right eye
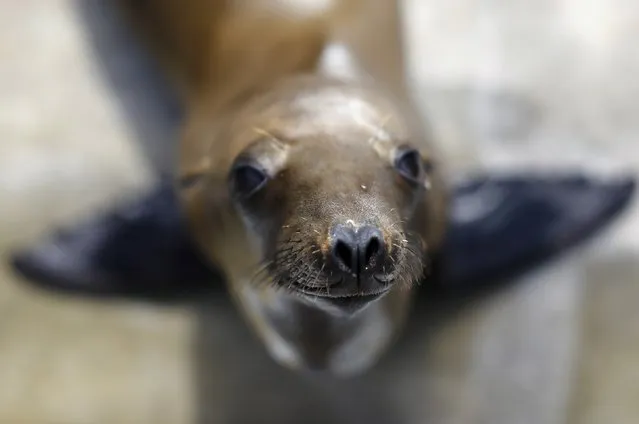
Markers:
point(247, 179)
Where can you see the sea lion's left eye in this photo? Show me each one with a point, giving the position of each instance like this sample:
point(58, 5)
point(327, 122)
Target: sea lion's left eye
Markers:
point(247, 179)
point(408, 163)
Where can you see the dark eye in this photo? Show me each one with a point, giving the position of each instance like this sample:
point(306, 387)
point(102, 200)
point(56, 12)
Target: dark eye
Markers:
point(247, 179)
point(409, 164)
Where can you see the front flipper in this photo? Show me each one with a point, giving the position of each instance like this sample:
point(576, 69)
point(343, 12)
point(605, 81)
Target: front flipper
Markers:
point(137, 250)
point(503, 226)
point(500, 226)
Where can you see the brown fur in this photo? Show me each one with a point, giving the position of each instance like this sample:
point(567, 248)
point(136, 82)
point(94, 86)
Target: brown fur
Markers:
point(254, 83)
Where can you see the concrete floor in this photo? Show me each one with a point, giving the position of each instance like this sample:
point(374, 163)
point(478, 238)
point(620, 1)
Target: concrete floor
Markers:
point(544, 83)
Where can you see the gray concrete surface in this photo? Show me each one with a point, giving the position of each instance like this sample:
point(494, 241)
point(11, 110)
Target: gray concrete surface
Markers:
point(545, 83)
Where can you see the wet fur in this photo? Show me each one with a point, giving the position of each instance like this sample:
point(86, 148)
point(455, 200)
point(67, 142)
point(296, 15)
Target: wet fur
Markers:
point(256, 83)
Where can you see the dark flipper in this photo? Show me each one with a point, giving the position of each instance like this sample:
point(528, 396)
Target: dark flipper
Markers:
point(139, 250)
point(500, 226)
point(504, 226)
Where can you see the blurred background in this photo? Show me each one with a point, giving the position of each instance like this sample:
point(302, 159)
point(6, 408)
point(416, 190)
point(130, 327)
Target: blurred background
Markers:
point(85, 121)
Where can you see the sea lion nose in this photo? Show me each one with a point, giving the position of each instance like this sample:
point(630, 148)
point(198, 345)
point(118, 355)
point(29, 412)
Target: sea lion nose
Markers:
point(357, 251)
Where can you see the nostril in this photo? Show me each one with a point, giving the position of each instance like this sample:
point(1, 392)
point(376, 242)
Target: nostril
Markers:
point(358, 250)
point(344, 254)
point(372, 250)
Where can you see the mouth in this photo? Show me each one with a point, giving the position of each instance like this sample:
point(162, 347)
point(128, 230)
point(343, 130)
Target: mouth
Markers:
point(333, 292)
point(342, 294)
point(384, 279)
point(353, 302)
point(347, 304)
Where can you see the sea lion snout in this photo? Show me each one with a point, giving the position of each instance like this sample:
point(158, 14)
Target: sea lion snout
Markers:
point(357, 254)
point(358, 259)
point(329, 189)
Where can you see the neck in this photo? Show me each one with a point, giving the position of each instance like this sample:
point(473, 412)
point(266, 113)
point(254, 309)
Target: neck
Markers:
point(300, 335)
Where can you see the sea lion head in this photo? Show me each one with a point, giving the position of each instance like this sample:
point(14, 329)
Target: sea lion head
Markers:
point(331, 192)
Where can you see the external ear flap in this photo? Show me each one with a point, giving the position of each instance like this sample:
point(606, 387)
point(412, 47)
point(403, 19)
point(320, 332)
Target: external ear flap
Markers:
point(203, 193)
point(191, 179)
point(429, 170)
point(207, 210)
point(427, 164)
point(196, 182)
point(201, 186)
point(191, 188)
point(431, 216)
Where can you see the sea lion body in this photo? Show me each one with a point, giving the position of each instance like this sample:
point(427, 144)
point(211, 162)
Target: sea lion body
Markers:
point(298, 115)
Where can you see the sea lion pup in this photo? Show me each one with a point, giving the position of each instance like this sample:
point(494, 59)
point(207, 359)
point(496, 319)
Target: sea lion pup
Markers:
point(303, 171)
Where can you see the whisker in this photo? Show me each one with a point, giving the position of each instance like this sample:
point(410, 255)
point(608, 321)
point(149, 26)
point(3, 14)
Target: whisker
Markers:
point(317, 275)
